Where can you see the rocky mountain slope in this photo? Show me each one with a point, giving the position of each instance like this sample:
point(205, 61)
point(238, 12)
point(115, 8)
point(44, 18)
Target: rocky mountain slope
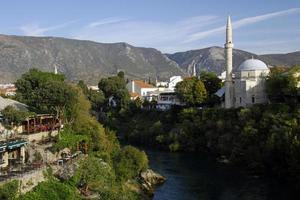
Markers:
point(79, 59)
point(212, 59)
point(89, 61)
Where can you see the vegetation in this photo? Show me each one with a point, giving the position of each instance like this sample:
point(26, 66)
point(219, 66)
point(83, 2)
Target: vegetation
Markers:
point(263, 139)
point(108, 166)
point(115, 87)
point(9, 190)
point(14, 116)
point(96, 98)
point(191, 91)
point(46, 93)
point(212, 84)
point(129, 163)
point(282, 85)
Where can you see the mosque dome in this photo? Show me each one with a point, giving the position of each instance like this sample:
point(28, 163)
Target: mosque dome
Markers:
point(253, 64)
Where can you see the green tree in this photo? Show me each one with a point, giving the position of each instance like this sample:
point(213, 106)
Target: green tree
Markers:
point(281, 85)
point(211, 81)
point(96, 98)
point(14, 116)
point(191, 91)
point(115, 86)
point(46, 92)
point(130, 162)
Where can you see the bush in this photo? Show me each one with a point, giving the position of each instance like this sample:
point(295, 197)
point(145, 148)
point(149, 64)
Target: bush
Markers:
point(129, 163)
point(51, 189)
point(9, 190)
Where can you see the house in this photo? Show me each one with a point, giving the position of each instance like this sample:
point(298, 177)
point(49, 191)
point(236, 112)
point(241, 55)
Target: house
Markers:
point(173, 81)
point(165, 98)
point(4, 102)
point(8, 89)
point(12, 153)
point(139, 87)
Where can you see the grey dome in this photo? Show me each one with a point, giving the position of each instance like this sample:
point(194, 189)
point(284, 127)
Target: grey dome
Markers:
point(253, 64)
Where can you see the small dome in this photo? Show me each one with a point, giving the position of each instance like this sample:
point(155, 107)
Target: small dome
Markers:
point(253, 64)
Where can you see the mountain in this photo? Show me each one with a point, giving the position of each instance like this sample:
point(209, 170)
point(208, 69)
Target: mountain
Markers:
point(288, 59)
point(89, 61)
point(80, 60)
point(213, 59)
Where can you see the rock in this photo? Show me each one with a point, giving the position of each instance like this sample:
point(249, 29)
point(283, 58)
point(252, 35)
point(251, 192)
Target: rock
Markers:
point(152, 178)
point(67, 171)
point(223, 159)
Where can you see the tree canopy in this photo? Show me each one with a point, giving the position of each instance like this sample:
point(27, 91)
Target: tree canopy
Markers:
point(191, 91)
point(281, 84)
point(115, 86)
point(46, 92)
point(211, 81)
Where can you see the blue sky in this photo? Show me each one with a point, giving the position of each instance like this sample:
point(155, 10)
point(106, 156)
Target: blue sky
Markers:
point(260, 26)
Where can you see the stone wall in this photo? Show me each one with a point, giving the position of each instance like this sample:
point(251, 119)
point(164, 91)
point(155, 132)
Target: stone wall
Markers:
point(39, 136)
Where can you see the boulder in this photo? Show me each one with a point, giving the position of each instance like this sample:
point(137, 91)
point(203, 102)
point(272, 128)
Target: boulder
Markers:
point(152, 178)
point(149, 180)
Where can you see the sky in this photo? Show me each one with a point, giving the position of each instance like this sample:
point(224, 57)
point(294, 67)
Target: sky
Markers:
point(259, 26)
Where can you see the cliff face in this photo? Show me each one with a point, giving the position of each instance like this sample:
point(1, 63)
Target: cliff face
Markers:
point(80, 60)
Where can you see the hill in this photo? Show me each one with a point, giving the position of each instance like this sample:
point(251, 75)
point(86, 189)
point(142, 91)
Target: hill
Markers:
point(213, 59)
point(80, 60)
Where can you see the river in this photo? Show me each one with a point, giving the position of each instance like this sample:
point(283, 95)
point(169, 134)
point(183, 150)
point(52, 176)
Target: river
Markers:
point(198, 177)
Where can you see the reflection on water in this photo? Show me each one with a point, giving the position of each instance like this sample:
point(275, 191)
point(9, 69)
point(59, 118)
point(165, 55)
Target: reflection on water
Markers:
point(196, 177)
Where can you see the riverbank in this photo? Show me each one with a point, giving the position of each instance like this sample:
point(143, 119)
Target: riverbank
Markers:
point(262, 140)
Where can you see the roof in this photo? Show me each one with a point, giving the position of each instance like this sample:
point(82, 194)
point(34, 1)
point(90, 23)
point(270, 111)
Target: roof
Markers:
point(11, 145)
point(142, 84)
point(252, 64)
point(4, 102)
point(134, 94)
point(220, 92)
point(16, 144)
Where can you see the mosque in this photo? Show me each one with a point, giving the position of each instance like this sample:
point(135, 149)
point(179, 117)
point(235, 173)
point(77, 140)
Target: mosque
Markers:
point(247, 85)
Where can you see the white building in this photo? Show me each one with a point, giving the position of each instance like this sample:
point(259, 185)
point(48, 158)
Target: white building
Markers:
point(165, 98)
point(249, 83)
point(169, 84)
point(140, 88)
point(247, 86)
point(173, 81)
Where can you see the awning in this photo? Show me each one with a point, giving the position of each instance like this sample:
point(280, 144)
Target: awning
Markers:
point(16, 144)
point(2, 147)
point(220, 92)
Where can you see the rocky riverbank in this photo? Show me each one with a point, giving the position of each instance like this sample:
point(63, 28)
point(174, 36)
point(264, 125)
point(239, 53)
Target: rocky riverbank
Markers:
point(149, 180)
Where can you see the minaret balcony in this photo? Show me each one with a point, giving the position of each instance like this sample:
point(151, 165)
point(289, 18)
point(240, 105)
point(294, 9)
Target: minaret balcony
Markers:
point(228, 45)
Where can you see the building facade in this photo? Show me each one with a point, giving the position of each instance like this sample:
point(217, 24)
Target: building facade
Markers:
point(247, 85)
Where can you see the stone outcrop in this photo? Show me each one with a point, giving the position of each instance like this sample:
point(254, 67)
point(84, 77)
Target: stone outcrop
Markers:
point(149, 180)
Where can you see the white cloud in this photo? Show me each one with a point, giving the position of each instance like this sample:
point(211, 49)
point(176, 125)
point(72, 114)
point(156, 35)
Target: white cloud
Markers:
point(36, 30)
point(144, 33)
point(106, 21)
point(240, 23)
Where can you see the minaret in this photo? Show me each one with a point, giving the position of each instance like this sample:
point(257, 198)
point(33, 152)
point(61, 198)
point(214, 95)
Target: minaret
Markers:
point(55, 69)
point(194, 70)
point(228, 56)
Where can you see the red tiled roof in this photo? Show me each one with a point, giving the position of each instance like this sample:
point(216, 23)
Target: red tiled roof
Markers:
point(142, 84)
point(134, 94)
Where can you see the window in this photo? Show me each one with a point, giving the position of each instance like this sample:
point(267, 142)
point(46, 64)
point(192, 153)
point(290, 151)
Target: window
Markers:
point(240, 99)
point(253, 99)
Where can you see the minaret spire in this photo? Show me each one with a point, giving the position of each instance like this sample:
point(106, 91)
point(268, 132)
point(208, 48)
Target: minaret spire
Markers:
point(194, 70)
point(228, 56)
point(55, 69)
